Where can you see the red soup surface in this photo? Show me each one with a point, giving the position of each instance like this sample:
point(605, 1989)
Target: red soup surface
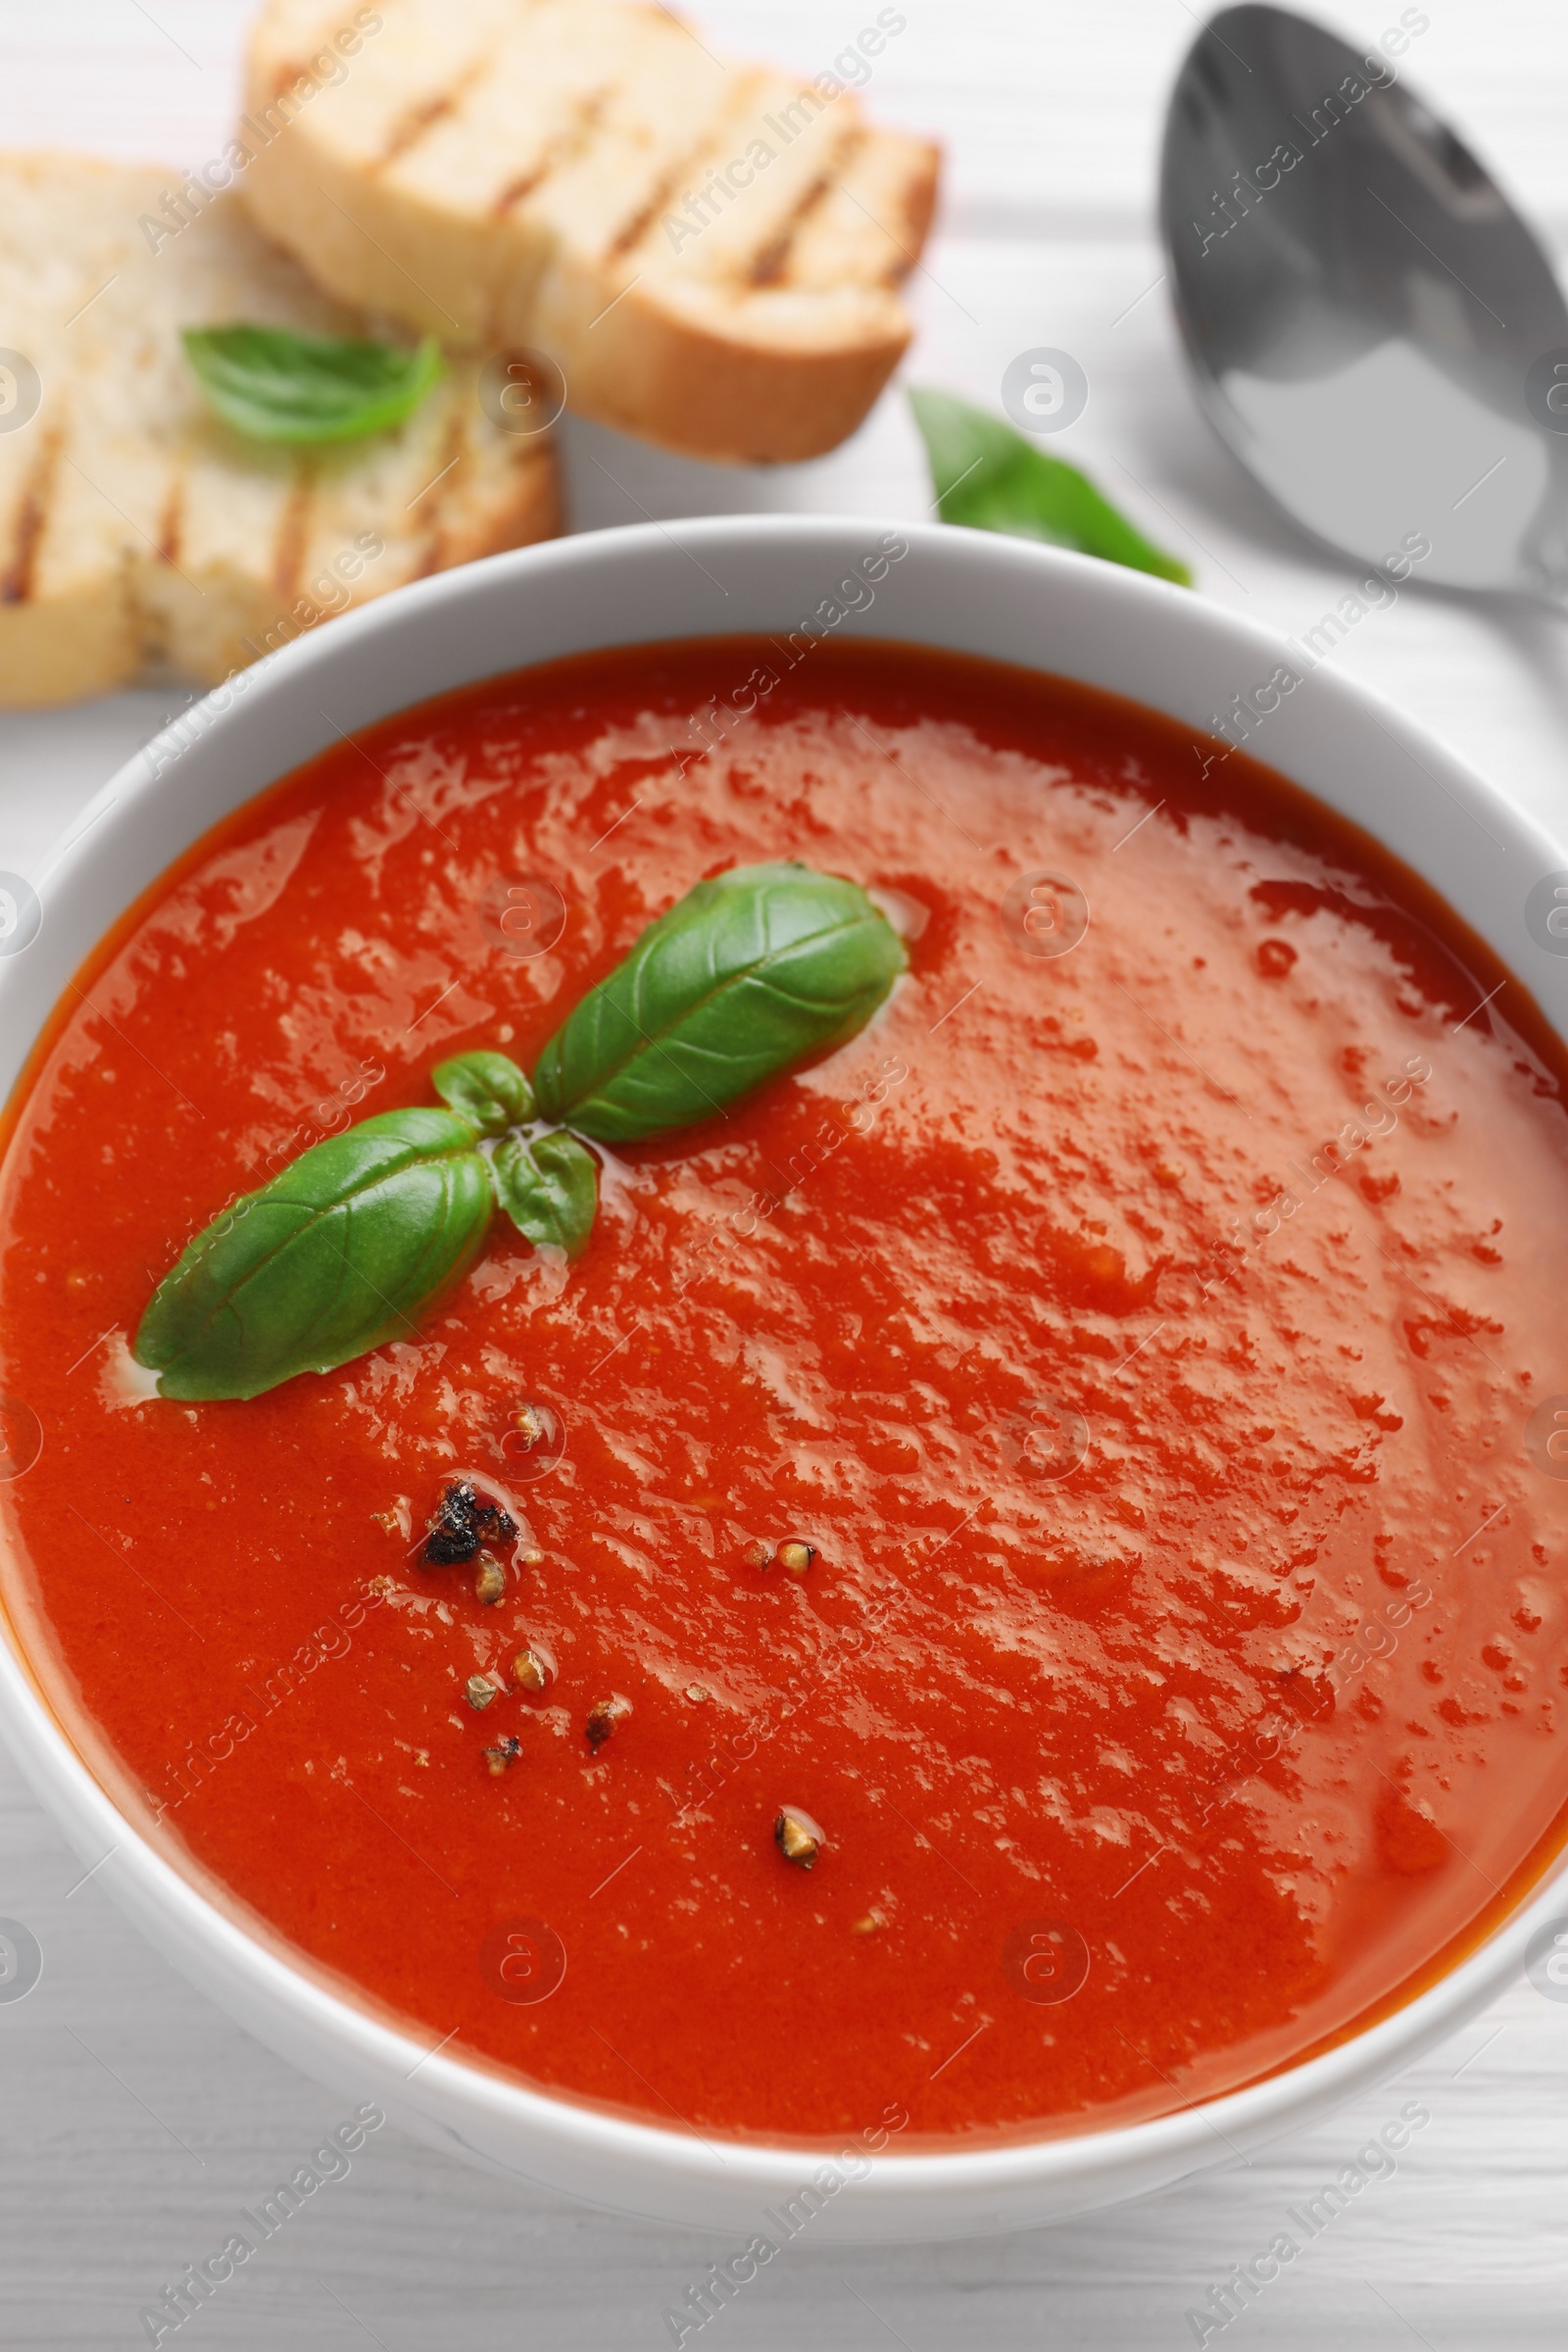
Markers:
point(1148, 1324)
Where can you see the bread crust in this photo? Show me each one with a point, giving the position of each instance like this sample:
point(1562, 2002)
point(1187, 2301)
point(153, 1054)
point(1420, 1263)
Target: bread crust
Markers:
point(713, 255)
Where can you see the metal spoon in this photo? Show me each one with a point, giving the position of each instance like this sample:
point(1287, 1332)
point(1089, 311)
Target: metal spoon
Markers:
point(1375, 333)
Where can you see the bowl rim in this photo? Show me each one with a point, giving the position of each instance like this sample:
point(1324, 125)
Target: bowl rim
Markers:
point(152, 1888)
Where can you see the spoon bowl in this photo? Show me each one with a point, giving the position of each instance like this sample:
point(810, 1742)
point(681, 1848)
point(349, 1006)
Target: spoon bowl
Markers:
point(1375, 333)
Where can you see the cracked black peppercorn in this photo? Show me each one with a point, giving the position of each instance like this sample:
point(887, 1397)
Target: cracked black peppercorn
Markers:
point(461, 1523)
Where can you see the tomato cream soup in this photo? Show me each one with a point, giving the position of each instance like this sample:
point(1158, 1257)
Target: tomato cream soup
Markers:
point(1025, 1573)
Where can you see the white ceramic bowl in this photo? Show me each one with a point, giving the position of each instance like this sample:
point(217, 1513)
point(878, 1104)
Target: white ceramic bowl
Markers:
point(967, 591)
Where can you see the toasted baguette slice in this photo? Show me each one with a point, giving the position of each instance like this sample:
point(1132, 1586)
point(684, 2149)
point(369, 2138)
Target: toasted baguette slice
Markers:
point(136, 527)
point(710, 253)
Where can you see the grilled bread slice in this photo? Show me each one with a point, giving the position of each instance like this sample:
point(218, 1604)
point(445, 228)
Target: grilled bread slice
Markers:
point(710, 253)
point(134, 526)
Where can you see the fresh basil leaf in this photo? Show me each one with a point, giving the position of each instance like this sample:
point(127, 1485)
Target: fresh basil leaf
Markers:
point(487, 1088)
point(338, 1254)
point(274, 385)
point(990, 477)
point(549, 1188)
point(744, 975)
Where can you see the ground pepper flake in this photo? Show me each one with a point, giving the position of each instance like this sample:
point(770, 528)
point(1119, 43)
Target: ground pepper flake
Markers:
point(505, 1753)
point(479, 1691)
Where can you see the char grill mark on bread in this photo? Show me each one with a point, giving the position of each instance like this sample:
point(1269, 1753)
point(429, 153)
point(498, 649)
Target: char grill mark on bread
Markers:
point(770, 267)
point(134, 523)
point(711, 254)
point(563, 150)
point(29, 522)
point(172, 522)
point(424, 116)
point(293, 533)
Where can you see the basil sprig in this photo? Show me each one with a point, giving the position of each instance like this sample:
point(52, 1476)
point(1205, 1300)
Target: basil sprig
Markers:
point(992, 478)
point(748, 973)
point(341, 1251)
point(274, 385)
point(549, 1187)
point(487, 1088)
point(356, 1239)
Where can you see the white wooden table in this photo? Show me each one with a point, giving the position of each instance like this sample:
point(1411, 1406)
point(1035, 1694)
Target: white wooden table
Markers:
point(135, 2118)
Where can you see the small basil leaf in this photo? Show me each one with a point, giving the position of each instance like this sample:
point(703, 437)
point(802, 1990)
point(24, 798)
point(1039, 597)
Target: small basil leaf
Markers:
point(990, 477)
point(338, 1254)
point(549, 1188)
point(744, 975)
point(487, 1088)
point(274, 385)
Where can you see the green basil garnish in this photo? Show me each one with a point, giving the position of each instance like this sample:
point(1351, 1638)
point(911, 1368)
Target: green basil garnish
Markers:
point(340, 1252)
point(549, 1188)
point(747, 974)
point(992, 478)
point(487, 1088)
point(274, 385)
